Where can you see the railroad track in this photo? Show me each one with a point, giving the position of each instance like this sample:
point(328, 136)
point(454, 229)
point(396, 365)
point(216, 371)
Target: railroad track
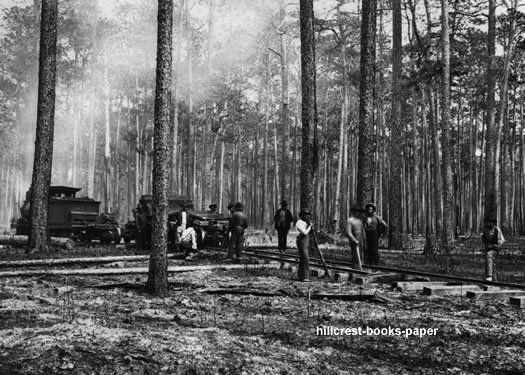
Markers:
point(347, 267)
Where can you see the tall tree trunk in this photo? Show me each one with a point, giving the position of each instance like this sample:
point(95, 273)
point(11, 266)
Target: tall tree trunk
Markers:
point(522, 162)
point(436, 164)
point(221, 176)
point(206, 184)
point(395, 212)
point(75, 140)
point(107, 137)
point(446, 148)
point(309, 107)
point(277, 174)
point(158, 265)
point(265, 151)
point(499, 173)
point(491, 208)
point(92, 144)
point(137, 141)
point(338, 209)
point(285, 142)
point(39, 236)
point(175, 132)
point(366, 143)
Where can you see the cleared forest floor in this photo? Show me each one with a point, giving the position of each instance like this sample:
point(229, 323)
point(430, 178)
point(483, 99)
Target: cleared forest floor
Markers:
point(81, 325)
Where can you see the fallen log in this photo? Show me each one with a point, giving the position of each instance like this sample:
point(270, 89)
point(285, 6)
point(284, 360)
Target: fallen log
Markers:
point(378, 298)
point(125, 271)
point(68, 261)
point(18, 240)
point(242, 291)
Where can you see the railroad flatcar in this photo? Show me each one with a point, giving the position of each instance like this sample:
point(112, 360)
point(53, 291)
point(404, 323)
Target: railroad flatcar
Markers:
point(71, 216)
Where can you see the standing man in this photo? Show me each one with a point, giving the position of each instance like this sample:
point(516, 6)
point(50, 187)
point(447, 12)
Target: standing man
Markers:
point(304, 226)
point(238, 223)
point(375, 226)
point(492, 239)
point(283, 219)
point(228, 232)
point(355, 232)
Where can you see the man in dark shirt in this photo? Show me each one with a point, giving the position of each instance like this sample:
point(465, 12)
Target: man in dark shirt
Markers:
point(283, 219)
point(238, 223)
point(375, 226)
point(492, 238)
point(212, 209)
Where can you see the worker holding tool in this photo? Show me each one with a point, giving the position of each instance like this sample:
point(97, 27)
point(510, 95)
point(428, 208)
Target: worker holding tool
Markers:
point(355, 232)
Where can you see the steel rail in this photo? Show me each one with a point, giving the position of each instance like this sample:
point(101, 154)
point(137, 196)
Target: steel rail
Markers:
point(295, 260)
point(332, 263)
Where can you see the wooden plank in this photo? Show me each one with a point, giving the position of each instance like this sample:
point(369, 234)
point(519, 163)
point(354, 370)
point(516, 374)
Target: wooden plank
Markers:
point(450, 290)
point(21, 241)
point(379, 278)
point(242, 291)
point(68, 261)
point(407, 277)
point(494, 294)
point(518, 301)
point(345, 297)
point(378, 298)
point(343, 276)
point(417, 285)
point(124, 271)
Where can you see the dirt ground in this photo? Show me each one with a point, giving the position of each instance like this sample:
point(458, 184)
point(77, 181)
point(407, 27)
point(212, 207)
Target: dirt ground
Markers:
point(110, 325)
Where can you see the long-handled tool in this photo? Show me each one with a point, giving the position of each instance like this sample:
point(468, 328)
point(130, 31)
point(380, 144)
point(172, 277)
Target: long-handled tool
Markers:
point(319, 251)
point(358, 254)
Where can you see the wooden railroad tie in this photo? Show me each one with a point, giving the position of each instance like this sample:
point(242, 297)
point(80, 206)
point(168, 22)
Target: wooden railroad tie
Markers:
point(518, 301)
point(451, 290)
point(494, 294)
point(418, 285)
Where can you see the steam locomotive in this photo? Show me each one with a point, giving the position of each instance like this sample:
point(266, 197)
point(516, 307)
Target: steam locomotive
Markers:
point(73, 217)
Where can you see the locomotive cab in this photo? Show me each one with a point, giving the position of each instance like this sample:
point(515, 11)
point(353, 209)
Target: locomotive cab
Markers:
point(69, 216)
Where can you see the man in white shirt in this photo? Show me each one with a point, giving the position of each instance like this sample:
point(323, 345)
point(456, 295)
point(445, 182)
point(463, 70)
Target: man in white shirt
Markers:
point(304, 226)
point(189, 237)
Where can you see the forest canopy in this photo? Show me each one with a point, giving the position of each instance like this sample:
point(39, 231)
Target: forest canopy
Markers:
point(236, 105)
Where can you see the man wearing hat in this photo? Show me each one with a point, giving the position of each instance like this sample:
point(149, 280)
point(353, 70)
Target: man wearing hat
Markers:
point(492, 238)
point(228, 233)
point(212, 209)
point(355, 232)
point(238, 223)
point(304, 226)
point(375, 226)
point(283, 219)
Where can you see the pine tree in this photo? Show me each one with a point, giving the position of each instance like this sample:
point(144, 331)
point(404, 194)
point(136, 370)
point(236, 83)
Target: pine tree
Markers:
point(158, 265)
point(39, 237)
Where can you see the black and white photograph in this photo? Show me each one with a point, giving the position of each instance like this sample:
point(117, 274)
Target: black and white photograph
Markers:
point(269, 187)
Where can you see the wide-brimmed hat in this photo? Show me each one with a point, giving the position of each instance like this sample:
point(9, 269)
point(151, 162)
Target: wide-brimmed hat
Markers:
point(356, 208)
point(284, 203)
point(371, 205)
point(212, 205)
point(239, 206)
point(305, 211)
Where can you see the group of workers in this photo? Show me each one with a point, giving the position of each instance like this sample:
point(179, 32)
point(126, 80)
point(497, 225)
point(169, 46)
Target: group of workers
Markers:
point(362, 231)
point(186, 236)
